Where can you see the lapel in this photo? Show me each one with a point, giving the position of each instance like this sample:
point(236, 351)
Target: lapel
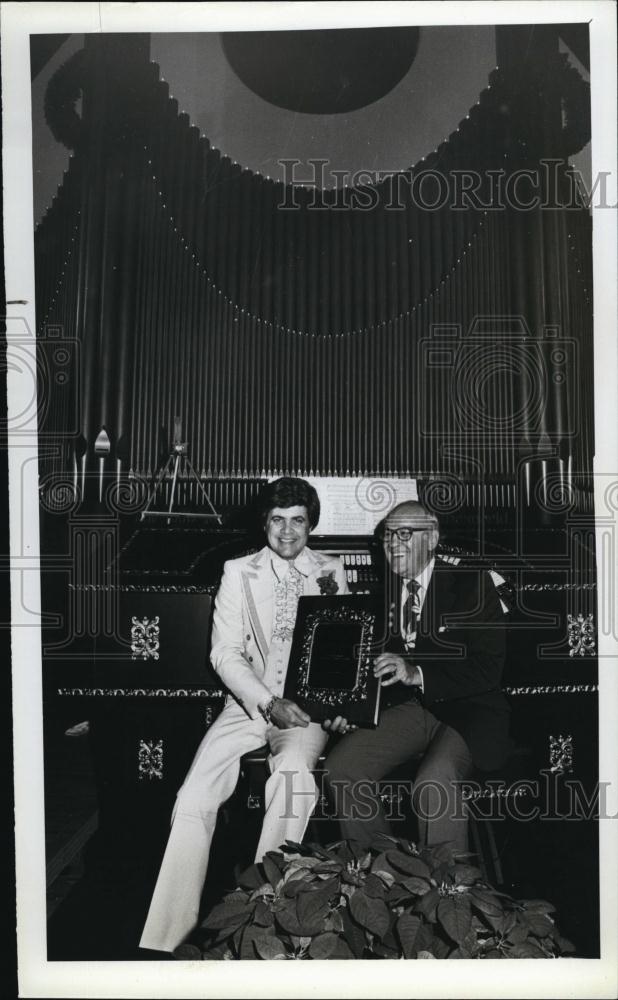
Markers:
point(312, 564)
point(258, 594)
point(438, 601)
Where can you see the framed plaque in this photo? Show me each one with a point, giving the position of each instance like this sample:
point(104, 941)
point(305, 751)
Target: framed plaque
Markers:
point(330, 669)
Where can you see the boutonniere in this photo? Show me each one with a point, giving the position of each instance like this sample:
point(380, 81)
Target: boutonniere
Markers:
point(327, 583)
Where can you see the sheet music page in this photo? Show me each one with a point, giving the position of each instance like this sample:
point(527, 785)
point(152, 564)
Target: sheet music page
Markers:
point(354, 505)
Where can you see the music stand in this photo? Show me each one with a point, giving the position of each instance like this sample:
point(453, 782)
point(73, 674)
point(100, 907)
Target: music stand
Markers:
point(178, 452)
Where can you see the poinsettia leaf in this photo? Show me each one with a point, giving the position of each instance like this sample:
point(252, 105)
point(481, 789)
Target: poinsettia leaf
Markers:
point(382, 950)
point(526, 950)
point(416, 886)
point(485, 902)
point(264, 891)
point(441, 873)
point(358, 851)
point(318, 851)
point(427, 905)
point(188, 952)
point(408, 926)
point(304, 924)
point(301, 863)
point(246, 950)
point(455, 916)
point(323, 946)
point(228, 914)
point(408, 864)
point(510, 921)
point(440, 948)
point(425, 936)
point(237, 939)
point(325, 889)
point(272, 871)
point(216, 954)
point(381, 864)
point(390, 939)
point(408, 846)
point(295, 887)
point(398, 894)
point(537, 906)
point(496, 923)
point(287, 918)
point(373, 914)
point(267, 947)
point(334, 922)
point(294, 847)
point(386, 877)
point(304, 875)
point(539, 923)
point(352, 878)
point(328, 867)
point(263, 915)
point(444, 853)
point(374, 886)
point(312, 906)
point(353, 934)
point(343, 851)
point(470, 943)
point(251, 878)
point(517, 934)
point(343, 950)
point(464, 857)
point(466, 874)
point(384, 842)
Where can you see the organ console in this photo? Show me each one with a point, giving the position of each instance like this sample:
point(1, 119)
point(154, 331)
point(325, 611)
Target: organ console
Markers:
point(300, 332)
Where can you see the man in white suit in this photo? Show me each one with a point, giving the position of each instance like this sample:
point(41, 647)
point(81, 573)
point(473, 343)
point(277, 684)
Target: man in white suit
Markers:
point(255, 612)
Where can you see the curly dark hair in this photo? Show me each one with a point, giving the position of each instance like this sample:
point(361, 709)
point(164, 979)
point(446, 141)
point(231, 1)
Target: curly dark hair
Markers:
point(289, 492)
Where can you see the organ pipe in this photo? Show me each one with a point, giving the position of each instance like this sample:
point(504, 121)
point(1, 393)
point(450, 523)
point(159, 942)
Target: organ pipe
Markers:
point(326, 337)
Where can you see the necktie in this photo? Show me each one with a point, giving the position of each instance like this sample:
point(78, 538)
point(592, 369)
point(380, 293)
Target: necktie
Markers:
point(411, 613)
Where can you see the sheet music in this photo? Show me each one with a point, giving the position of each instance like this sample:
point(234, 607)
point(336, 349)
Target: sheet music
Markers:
point(355, 505)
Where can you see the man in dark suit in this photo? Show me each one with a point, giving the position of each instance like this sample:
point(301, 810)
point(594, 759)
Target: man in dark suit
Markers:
point(440, 670)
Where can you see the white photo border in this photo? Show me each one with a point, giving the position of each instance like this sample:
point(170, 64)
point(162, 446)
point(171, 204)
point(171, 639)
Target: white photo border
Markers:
point(39, 978)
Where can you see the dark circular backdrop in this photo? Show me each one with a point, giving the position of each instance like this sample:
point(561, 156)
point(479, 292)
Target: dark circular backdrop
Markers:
point(322, 72)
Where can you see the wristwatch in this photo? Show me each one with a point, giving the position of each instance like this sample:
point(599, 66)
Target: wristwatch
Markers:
point(266, 711)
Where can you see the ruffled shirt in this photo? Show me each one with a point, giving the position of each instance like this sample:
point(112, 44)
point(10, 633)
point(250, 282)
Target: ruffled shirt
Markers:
point(288, 586)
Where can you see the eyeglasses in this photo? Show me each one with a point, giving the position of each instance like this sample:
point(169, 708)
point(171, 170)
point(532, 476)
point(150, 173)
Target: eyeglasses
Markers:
point(403, 534)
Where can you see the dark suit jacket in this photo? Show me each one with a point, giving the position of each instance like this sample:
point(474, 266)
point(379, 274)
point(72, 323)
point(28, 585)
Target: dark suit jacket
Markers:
point(460, 647)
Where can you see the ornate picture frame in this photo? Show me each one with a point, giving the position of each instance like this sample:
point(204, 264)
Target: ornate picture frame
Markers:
point(329, 671)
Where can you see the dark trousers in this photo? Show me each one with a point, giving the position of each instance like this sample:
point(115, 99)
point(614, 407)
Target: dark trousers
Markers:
point(363, 758)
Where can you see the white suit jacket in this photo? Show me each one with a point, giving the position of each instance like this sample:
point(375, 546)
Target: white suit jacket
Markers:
point(242, 620)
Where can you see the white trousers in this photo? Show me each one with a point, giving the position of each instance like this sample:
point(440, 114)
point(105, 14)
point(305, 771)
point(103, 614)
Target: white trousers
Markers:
point(290, 798)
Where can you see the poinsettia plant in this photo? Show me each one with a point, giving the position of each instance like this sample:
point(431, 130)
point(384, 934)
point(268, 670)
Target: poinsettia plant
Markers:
point(393, 901)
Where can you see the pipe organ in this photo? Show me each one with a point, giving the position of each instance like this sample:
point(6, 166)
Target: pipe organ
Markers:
point(433, 324)
point(318, 332)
